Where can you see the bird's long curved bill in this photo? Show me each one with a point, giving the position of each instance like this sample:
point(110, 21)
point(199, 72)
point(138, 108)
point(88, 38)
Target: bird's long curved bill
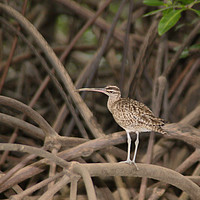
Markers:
point(102, 90)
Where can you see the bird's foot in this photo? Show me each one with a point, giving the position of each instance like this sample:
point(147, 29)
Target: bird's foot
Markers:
point(130, 162)
point(135, 165)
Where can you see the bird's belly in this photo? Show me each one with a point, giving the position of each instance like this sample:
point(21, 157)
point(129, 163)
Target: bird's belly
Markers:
point(132, 126)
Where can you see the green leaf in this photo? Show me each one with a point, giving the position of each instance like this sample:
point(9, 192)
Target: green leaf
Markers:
point(169, 20)
point(154, 12)
point(196, 11)
point(153, 2)
point(165, 12)
point(195, 46)
point(185, 53)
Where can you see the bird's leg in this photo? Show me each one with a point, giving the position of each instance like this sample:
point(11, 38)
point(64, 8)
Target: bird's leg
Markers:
point(128, 160)
point(136, 147)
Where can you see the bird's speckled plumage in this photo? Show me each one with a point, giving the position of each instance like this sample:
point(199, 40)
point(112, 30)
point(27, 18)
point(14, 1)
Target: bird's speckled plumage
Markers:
point(135, 116)
point(131, 115)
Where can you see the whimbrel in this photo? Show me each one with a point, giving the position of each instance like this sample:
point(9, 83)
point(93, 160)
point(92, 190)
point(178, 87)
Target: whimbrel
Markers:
point(131, 115)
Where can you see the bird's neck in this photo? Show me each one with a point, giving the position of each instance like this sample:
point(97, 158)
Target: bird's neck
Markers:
point(111, 101)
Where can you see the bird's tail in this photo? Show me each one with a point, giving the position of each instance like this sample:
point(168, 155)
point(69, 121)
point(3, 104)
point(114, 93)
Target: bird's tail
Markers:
point(159, 129)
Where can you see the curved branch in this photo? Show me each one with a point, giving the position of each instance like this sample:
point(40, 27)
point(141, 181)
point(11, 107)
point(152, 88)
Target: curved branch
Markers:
point(59, 68)
point(51, 74)
point(33, 150)
point(84, 149)
point(21, 124)
point(80, 169)
point(30, 113)
point(37, 132)
point(146, 170)
point(193, 117)
point(37, 186)
point(183, 132)
point(58, 186)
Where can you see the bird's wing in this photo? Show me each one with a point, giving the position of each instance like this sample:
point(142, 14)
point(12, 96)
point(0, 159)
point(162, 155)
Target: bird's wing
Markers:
point(146, 115)
point(127, 108)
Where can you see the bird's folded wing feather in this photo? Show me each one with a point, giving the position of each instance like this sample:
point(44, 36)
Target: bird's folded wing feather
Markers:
point(127, 108)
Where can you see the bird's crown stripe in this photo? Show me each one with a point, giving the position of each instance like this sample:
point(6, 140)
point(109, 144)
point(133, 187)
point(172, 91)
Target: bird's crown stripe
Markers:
point(112, 88)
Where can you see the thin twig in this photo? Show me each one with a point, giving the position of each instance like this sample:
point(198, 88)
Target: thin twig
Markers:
point(14, 44)
point(37, 186)
point(59, 185)
point(188, 40)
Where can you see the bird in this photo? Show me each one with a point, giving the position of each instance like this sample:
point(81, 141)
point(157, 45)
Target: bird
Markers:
point(131, 115)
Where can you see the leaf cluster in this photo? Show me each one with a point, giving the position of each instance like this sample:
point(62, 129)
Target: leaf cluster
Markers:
point(171, 12)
